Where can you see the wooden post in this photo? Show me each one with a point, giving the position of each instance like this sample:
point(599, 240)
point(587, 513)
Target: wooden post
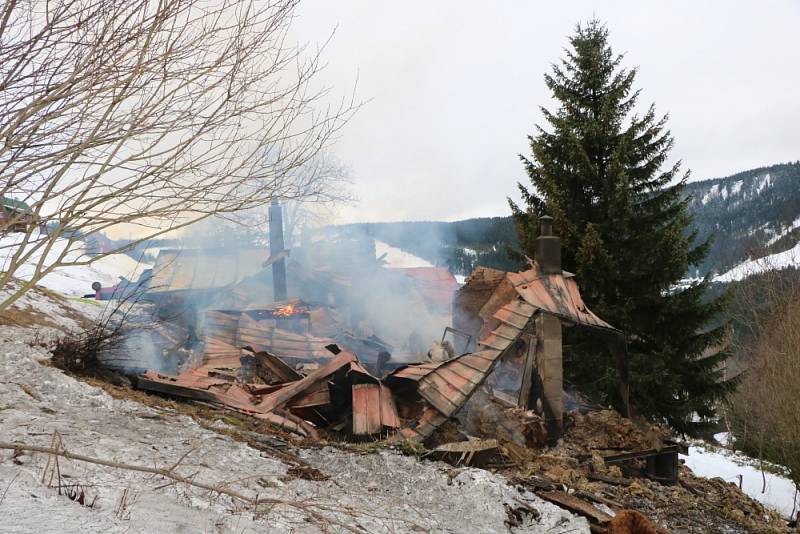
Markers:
point(529, 337)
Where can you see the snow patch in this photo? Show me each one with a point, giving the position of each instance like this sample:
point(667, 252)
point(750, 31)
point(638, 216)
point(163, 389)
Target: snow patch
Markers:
point(75, 280)
point(783, 231)
point(763, 182)
point(382, 493)
point(398, 258)
point(712, 193)
point(773, 262)
point(778, 491)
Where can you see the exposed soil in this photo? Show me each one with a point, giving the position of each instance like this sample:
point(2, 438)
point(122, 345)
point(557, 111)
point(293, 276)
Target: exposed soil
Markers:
point(693, 505)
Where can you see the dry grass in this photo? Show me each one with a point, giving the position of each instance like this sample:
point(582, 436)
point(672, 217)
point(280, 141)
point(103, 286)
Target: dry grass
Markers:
point(26, 318)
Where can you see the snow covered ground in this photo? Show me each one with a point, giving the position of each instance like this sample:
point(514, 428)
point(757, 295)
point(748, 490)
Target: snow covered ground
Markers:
point(377, 492)
point(399, 258)
point(777, 261)
point(73, 280)
point(709, 461)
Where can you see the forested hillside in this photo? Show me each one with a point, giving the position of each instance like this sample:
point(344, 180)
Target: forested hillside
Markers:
point(752, 214)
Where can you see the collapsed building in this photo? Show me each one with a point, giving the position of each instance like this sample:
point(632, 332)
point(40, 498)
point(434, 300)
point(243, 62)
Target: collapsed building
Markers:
point(307, 341)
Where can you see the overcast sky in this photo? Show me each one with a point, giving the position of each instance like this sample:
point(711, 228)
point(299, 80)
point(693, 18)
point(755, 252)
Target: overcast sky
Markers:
point(455, 87)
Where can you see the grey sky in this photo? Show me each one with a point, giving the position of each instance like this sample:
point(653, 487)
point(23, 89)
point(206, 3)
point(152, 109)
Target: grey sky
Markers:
point(455, 87)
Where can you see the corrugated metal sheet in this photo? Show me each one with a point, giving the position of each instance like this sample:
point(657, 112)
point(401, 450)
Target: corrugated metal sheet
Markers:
point(219, 334)
point(177, 270)
point(446, 386)
point(556, 294)
point(450, 385)
point(293, 389)
point(366, 409)
point(513, 318)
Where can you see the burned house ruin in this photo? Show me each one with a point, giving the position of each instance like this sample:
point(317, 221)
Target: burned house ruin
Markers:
point(310, 340)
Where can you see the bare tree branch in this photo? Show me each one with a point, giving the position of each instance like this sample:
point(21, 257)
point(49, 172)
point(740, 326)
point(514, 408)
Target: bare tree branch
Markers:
point(148, 116)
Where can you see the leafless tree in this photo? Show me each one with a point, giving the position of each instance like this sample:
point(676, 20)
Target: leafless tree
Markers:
point(147, 116)
point(328, 182)
point(764, 413)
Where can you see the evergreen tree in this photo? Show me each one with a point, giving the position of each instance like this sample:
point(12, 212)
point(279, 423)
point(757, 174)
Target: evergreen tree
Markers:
point(600, 171)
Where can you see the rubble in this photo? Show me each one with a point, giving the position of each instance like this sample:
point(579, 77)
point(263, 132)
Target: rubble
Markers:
point(576, 466)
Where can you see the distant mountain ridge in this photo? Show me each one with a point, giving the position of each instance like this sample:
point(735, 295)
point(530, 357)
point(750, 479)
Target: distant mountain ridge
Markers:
point(752, 214)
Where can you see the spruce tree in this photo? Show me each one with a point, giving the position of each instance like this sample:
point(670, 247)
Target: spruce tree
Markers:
point(600, 170)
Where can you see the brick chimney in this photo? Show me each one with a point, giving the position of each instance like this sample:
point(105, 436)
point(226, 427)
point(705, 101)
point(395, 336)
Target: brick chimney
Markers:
point(547, 251)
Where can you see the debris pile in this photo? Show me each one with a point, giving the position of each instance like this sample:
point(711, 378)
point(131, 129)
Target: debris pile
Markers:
point(582, 473)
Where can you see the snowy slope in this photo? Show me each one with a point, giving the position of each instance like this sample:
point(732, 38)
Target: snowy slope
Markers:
point(74, 280)
point(707, 461)
point(773, 262)
point(399, 258)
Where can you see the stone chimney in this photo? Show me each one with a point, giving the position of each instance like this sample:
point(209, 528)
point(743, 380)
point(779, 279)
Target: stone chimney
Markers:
point(550, 362)
point(547, 251)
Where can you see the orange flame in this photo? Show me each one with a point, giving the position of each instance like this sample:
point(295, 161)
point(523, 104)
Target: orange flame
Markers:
point(286, 311)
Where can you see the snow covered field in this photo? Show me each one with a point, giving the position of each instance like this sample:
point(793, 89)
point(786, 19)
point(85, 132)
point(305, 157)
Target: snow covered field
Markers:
point(73, 280)
point(709, 461)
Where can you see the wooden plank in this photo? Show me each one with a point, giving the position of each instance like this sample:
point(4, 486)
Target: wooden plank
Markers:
point(527, 374)
point(275, 366)
point(279, 398)
point(575, 505)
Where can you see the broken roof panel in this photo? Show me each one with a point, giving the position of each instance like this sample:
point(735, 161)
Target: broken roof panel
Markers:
point(429, 421)
point(448, 385)
point(373, 409)
point(556, 294)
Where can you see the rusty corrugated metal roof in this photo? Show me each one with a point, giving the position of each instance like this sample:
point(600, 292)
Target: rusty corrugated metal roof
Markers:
point(177, 270)
point(446, 386)
point(426, 425)
point(288, 345)
point(450, 385)
point(373, 409)
point(557, 294)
